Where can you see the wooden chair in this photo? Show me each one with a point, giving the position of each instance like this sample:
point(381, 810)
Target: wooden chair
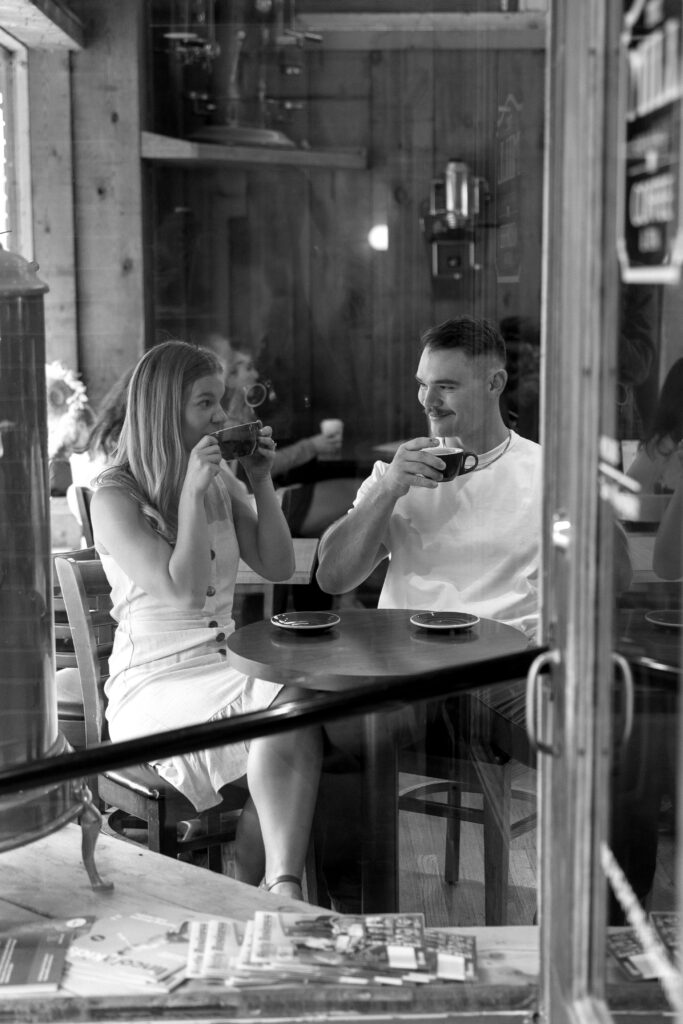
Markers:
point(274, 595)
point(139, 791)
point(79, 501)
point(474, 745)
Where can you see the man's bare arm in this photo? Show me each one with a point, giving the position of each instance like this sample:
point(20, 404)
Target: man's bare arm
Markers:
point(352, 547)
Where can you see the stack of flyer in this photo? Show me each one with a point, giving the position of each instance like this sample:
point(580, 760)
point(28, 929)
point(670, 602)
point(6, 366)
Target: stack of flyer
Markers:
point(634, 960)
point(388, 949)
point(157, 952)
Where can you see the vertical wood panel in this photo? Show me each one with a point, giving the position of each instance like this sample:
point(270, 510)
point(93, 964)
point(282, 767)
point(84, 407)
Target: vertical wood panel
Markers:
point(108, 200)
point(340, 259)
point(403, 142)
point(53, 213)
point(521, 73)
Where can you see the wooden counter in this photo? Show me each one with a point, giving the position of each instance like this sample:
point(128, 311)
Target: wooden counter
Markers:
point(47, 879)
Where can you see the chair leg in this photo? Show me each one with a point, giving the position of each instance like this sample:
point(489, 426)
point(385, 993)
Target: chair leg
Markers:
point(311, 874)
point(451, 869)
point(496, 784)
point(162, 835)
point(214, 852)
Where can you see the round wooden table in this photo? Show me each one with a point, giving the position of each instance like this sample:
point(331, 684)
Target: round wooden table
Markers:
point(368, 645)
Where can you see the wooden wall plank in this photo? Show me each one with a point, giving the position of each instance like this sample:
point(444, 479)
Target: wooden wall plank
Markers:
point(108, 191)
point(53, 212)
point(403, 104)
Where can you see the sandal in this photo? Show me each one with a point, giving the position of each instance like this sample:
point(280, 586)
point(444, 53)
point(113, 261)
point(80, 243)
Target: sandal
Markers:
point(284, 878)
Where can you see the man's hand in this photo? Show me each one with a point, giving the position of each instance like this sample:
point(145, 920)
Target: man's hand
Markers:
point(326, 444)
point(412, 467)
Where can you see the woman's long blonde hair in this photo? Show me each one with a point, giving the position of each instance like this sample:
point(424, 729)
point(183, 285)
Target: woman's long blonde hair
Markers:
point(150, 459)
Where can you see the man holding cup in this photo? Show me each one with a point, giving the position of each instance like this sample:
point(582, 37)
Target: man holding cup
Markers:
point(470, 543)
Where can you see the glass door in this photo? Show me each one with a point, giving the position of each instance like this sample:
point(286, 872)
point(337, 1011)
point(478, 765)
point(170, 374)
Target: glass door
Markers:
point(604, 713)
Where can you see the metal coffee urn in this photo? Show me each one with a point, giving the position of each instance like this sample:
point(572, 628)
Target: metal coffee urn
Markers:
point(28, 701)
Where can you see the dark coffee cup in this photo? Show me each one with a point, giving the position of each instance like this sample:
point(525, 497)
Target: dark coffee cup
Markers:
point(236, 442)
point(458, 462)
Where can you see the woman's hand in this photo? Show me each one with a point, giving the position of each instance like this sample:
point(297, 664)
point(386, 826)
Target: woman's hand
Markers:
point(202, 464)
point(260, 464)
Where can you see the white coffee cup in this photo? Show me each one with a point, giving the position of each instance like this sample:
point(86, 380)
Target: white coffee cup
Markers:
point(332, 428)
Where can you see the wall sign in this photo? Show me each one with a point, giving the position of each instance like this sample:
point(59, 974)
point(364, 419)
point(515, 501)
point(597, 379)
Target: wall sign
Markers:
point(650, 244)
point(508, 187)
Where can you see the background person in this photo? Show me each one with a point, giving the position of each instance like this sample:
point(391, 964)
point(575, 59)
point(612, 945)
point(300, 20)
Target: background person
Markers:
point(103, 438)
point(322, 494)
point(667, 559)
point(170, 526)
point(241, 377)
point(656, 466)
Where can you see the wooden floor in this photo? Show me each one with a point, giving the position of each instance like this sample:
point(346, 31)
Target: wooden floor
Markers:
point(421, 857)
point(422, 886)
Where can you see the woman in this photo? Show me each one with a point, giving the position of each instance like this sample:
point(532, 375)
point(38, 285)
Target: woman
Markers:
point(655, 467)
point(170, 524)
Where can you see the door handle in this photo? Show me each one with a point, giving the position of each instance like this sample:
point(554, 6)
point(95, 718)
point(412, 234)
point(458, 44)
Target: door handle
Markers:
point(540, 662)
point(627, 682)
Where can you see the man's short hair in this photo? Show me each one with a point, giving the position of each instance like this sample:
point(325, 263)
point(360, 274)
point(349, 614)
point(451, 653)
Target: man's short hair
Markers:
point(475, 336)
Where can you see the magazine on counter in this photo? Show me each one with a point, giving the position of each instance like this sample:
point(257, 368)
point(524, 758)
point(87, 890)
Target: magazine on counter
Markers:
point(214, 948)
point(132, 952)
point(363, 948)
point(33, 955)
point(627, 950)
point(666, 924)
point(451, 955)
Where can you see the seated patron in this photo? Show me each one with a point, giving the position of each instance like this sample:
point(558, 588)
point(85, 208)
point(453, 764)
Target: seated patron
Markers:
point(104, 435)
point(471, 544)
point(170, 524)
point(244, 392)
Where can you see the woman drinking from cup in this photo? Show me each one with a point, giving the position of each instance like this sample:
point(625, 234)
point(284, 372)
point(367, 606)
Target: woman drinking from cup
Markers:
point(170, 524)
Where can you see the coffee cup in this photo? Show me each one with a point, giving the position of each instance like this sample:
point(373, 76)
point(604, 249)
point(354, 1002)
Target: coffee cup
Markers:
point(332, 428)
point(238, 441)
point(458, 461)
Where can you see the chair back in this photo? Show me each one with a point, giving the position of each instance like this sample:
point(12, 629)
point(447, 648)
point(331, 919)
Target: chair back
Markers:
point(87, 599)
point(83, 496)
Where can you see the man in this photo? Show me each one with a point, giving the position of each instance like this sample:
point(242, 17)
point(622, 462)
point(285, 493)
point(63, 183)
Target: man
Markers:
point(471, 544)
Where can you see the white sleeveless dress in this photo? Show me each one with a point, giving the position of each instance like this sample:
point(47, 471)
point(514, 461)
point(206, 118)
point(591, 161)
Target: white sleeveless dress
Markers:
point(169, 666)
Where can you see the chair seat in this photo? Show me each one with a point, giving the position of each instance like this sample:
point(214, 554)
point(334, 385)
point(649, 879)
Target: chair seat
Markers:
point(143, 779)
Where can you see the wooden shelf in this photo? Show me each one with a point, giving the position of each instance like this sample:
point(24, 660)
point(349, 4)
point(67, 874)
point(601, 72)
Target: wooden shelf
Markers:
point(164, 149)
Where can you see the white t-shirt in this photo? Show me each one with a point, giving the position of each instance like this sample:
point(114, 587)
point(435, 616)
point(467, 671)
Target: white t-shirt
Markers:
point(472, 544)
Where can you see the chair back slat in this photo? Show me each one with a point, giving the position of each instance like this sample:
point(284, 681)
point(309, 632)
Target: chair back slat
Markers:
point(87, 598)
point(83, 496)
